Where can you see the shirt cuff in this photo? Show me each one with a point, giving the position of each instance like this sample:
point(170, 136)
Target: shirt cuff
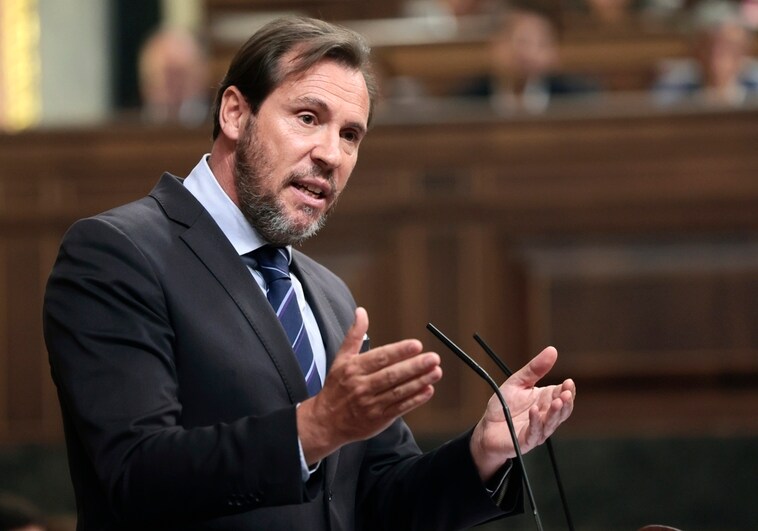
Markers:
point(305, 471)
point(498, 482)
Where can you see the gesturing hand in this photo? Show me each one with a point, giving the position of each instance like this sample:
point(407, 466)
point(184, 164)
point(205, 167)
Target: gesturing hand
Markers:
point(363, 394)
point(537, 412)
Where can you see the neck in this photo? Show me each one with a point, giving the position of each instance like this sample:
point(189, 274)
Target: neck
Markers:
point(222, 165)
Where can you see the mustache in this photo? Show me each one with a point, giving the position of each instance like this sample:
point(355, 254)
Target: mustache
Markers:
point(315, 171)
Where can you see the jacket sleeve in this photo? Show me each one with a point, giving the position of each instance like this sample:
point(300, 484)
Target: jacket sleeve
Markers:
point(401, 488)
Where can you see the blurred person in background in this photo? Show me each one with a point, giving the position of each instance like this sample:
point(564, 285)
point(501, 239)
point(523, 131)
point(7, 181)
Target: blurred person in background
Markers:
point(173, 78)
point(720, 70)
point(524, 66)
point(750, 13)
point(611, 13)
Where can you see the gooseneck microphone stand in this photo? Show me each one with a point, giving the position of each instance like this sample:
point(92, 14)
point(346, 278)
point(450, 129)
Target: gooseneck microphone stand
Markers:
point(508, 419)
point(548, 443)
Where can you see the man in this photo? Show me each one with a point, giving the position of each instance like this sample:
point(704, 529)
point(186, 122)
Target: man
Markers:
point(186, 402)
point(524, 66)
point(173, 79)
point(720, 70)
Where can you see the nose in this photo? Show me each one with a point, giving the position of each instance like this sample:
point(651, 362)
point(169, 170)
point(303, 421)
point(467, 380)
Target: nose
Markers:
point(327, 152)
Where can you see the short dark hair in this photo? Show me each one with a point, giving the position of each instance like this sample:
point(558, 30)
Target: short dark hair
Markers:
point(256, 68)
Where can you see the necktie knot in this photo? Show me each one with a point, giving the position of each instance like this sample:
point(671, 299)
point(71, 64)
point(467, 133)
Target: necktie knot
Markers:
point(273, 263)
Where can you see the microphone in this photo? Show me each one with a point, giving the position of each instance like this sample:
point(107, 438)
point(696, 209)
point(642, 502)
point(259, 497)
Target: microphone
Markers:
point(468, 360)
point(548, 443)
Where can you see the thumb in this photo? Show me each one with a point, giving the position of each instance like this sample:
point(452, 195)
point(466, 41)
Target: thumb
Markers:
point(355, 334)
point(536, 369)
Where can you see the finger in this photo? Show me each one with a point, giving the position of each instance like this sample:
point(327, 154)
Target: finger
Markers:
point(538, 367)
point(387, 355)
point(565, 394)
point(355, 334)
point(568, 405)
point(533, 435)
point(557, 413)
point(404, 371)
point(410, 403)
point(567, 386)
point(570, 386)
point(427, 373)
point(373, 410)
point(543, 423)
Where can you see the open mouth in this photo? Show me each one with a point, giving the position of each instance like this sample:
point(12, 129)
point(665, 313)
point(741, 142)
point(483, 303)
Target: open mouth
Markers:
point(312, 191)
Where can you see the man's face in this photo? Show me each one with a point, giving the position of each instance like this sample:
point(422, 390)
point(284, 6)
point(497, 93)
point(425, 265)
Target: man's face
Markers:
point(526, 47)
point(295, 156)
point(722, 53)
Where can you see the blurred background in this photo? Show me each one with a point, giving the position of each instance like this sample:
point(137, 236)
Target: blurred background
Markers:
point(581, 173)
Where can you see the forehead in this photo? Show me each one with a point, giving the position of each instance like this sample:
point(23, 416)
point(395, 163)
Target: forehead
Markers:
point(341, 88)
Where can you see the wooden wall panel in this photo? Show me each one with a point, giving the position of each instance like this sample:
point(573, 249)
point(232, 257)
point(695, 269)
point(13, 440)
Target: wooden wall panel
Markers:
point(647, 306)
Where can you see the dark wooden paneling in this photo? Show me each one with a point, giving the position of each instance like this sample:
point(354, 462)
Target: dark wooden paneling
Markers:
point(648, 305)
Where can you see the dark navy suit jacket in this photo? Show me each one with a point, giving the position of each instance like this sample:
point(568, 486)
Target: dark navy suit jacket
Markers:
point(178, 390)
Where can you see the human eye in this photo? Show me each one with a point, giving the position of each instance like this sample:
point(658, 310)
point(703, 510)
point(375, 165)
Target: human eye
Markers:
point(307, 118)
point(351, 136)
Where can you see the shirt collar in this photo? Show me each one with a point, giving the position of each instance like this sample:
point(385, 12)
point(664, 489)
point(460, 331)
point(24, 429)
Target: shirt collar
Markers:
point(202, 184)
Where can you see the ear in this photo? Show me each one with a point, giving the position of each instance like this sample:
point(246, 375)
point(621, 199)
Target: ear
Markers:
point(233, 111)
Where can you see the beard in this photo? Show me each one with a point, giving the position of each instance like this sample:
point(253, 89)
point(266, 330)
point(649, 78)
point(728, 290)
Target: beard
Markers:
point(263, 208)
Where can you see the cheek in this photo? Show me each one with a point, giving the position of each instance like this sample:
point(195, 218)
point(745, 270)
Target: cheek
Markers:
point(342, 176)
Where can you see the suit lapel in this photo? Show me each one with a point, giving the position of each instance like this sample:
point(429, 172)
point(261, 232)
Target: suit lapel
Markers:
point(213, 249)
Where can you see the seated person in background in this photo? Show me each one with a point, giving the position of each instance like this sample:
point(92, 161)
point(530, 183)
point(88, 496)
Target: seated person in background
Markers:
point(173, 77)
point(524, 75)
point(610, 13)
point(720, 70)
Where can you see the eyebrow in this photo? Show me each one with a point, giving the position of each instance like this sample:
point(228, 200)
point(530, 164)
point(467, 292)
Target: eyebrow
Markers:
point(322, 105)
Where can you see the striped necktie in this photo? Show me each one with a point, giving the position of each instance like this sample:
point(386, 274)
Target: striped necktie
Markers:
point(273, 264)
